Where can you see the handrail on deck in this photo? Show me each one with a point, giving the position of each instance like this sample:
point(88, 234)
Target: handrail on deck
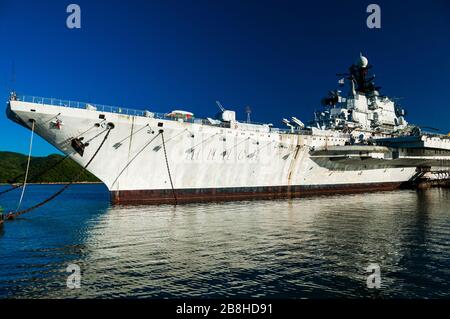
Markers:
point(79, 105)
point(122, 110)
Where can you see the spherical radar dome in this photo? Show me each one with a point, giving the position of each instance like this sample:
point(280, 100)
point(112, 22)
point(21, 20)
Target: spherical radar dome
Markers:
point(362, 61)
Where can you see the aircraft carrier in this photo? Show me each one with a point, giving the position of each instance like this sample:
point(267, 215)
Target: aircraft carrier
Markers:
point(359, 141)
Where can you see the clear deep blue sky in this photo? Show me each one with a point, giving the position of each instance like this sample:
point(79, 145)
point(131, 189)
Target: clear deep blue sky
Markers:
point(279, 57)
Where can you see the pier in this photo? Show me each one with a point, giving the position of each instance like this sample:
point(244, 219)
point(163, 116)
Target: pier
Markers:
point(432, 178)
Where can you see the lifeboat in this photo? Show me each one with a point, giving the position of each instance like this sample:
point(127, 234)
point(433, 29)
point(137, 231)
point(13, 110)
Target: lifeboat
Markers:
point(179, 114)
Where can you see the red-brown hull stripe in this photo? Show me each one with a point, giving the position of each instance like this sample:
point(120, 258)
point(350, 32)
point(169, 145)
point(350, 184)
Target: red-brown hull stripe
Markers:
point(165, 196)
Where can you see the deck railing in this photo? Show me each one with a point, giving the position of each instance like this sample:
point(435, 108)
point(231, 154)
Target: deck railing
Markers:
point(137, 112)
point(105, 108)
point(80, 105)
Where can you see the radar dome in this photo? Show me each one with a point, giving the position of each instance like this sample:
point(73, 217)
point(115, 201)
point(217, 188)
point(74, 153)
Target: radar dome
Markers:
point(362, 61)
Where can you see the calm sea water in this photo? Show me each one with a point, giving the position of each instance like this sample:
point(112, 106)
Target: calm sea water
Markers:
point(313, 248)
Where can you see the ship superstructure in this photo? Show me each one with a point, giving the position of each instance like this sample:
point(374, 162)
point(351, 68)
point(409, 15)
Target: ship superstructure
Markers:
point(363, 108)
point(360, 141)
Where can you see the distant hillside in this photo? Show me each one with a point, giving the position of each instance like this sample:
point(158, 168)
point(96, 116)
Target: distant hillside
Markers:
point(13, 165)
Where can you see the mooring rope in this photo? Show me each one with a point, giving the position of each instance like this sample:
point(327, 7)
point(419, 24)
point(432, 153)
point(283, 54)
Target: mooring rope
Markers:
point(158, 147)
point(43, 171)
point(168, 168)
point(119, 143)
point(28, 166)
point(134, 157)
point(18, 213)
point(33, 177)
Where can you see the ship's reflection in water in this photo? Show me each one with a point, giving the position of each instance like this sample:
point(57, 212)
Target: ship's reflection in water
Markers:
point(313, 248)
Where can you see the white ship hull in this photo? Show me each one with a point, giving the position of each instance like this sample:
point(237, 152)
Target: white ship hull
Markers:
point(206, 162)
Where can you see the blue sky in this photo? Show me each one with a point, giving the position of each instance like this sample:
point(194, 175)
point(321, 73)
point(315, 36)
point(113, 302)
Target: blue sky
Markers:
point(279, 57)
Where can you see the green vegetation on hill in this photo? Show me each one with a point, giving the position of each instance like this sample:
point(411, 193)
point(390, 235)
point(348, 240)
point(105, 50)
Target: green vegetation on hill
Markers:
point(13, 166)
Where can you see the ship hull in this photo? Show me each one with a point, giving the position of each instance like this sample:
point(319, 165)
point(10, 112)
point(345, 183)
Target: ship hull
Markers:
point(180, 196)
point(202, 162)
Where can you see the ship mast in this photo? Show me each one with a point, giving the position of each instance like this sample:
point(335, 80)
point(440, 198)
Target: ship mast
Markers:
point(359, 75)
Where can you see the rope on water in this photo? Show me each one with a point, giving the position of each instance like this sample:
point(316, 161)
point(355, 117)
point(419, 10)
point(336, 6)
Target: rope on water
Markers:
point(168, 168)
point(18, 213)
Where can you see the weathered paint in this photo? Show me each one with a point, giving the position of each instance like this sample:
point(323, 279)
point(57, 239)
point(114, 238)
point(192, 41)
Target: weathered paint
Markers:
point(203, 157)
point(165, 196)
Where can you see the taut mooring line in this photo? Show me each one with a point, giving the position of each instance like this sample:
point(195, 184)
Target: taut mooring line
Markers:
point(28, 165)
point(134, 157)
point(42, 172)
point(18, 213)
point(33, 177)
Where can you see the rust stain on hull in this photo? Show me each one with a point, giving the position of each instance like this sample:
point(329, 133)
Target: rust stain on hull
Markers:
point(165, 196)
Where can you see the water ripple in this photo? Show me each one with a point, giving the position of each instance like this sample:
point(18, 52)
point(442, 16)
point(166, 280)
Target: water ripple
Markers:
point(306, 248)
